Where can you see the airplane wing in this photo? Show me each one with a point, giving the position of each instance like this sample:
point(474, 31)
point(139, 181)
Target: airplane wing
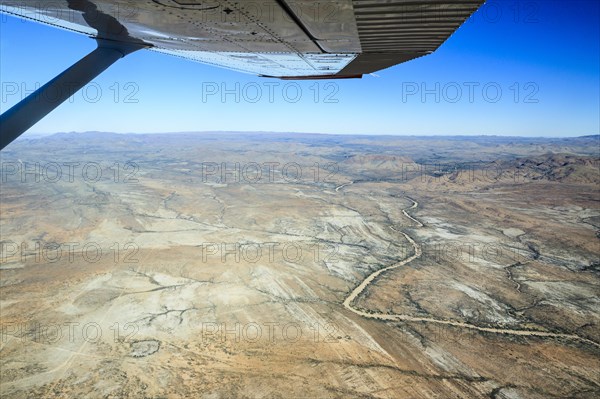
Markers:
point(293, 39)
point(288, 39)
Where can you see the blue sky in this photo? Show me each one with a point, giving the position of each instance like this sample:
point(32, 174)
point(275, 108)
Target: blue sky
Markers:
point(543, 56)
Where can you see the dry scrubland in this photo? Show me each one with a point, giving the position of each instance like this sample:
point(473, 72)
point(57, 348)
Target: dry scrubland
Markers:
point(222, 283)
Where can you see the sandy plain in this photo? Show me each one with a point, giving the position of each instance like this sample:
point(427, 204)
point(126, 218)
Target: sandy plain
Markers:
point(227, 265)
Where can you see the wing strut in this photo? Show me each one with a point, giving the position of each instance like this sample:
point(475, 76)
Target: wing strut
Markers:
point(30, 110)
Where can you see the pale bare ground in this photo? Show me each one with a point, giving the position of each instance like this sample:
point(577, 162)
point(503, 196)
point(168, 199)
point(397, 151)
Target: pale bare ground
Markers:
point(172, 298)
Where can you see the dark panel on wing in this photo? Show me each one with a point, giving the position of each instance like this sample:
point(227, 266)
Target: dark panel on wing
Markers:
point(393, 32)
point(318, 77)
point(372, 62)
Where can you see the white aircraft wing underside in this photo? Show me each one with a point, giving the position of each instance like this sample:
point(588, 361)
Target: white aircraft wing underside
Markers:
point(278, 38)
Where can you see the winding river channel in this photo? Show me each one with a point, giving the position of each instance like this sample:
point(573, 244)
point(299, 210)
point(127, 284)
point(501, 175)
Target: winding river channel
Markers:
point(348, 302)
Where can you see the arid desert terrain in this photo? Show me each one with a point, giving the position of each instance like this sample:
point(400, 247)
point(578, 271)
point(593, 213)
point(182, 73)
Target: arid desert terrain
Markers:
point(263, 265)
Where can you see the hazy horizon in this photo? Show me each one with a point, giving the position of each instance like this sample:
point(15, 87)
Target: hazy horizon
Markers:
point(33, 135)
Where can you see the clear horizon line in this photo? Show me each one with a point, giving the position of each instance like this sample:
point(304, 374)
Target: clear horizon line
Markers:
point(267, 132)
